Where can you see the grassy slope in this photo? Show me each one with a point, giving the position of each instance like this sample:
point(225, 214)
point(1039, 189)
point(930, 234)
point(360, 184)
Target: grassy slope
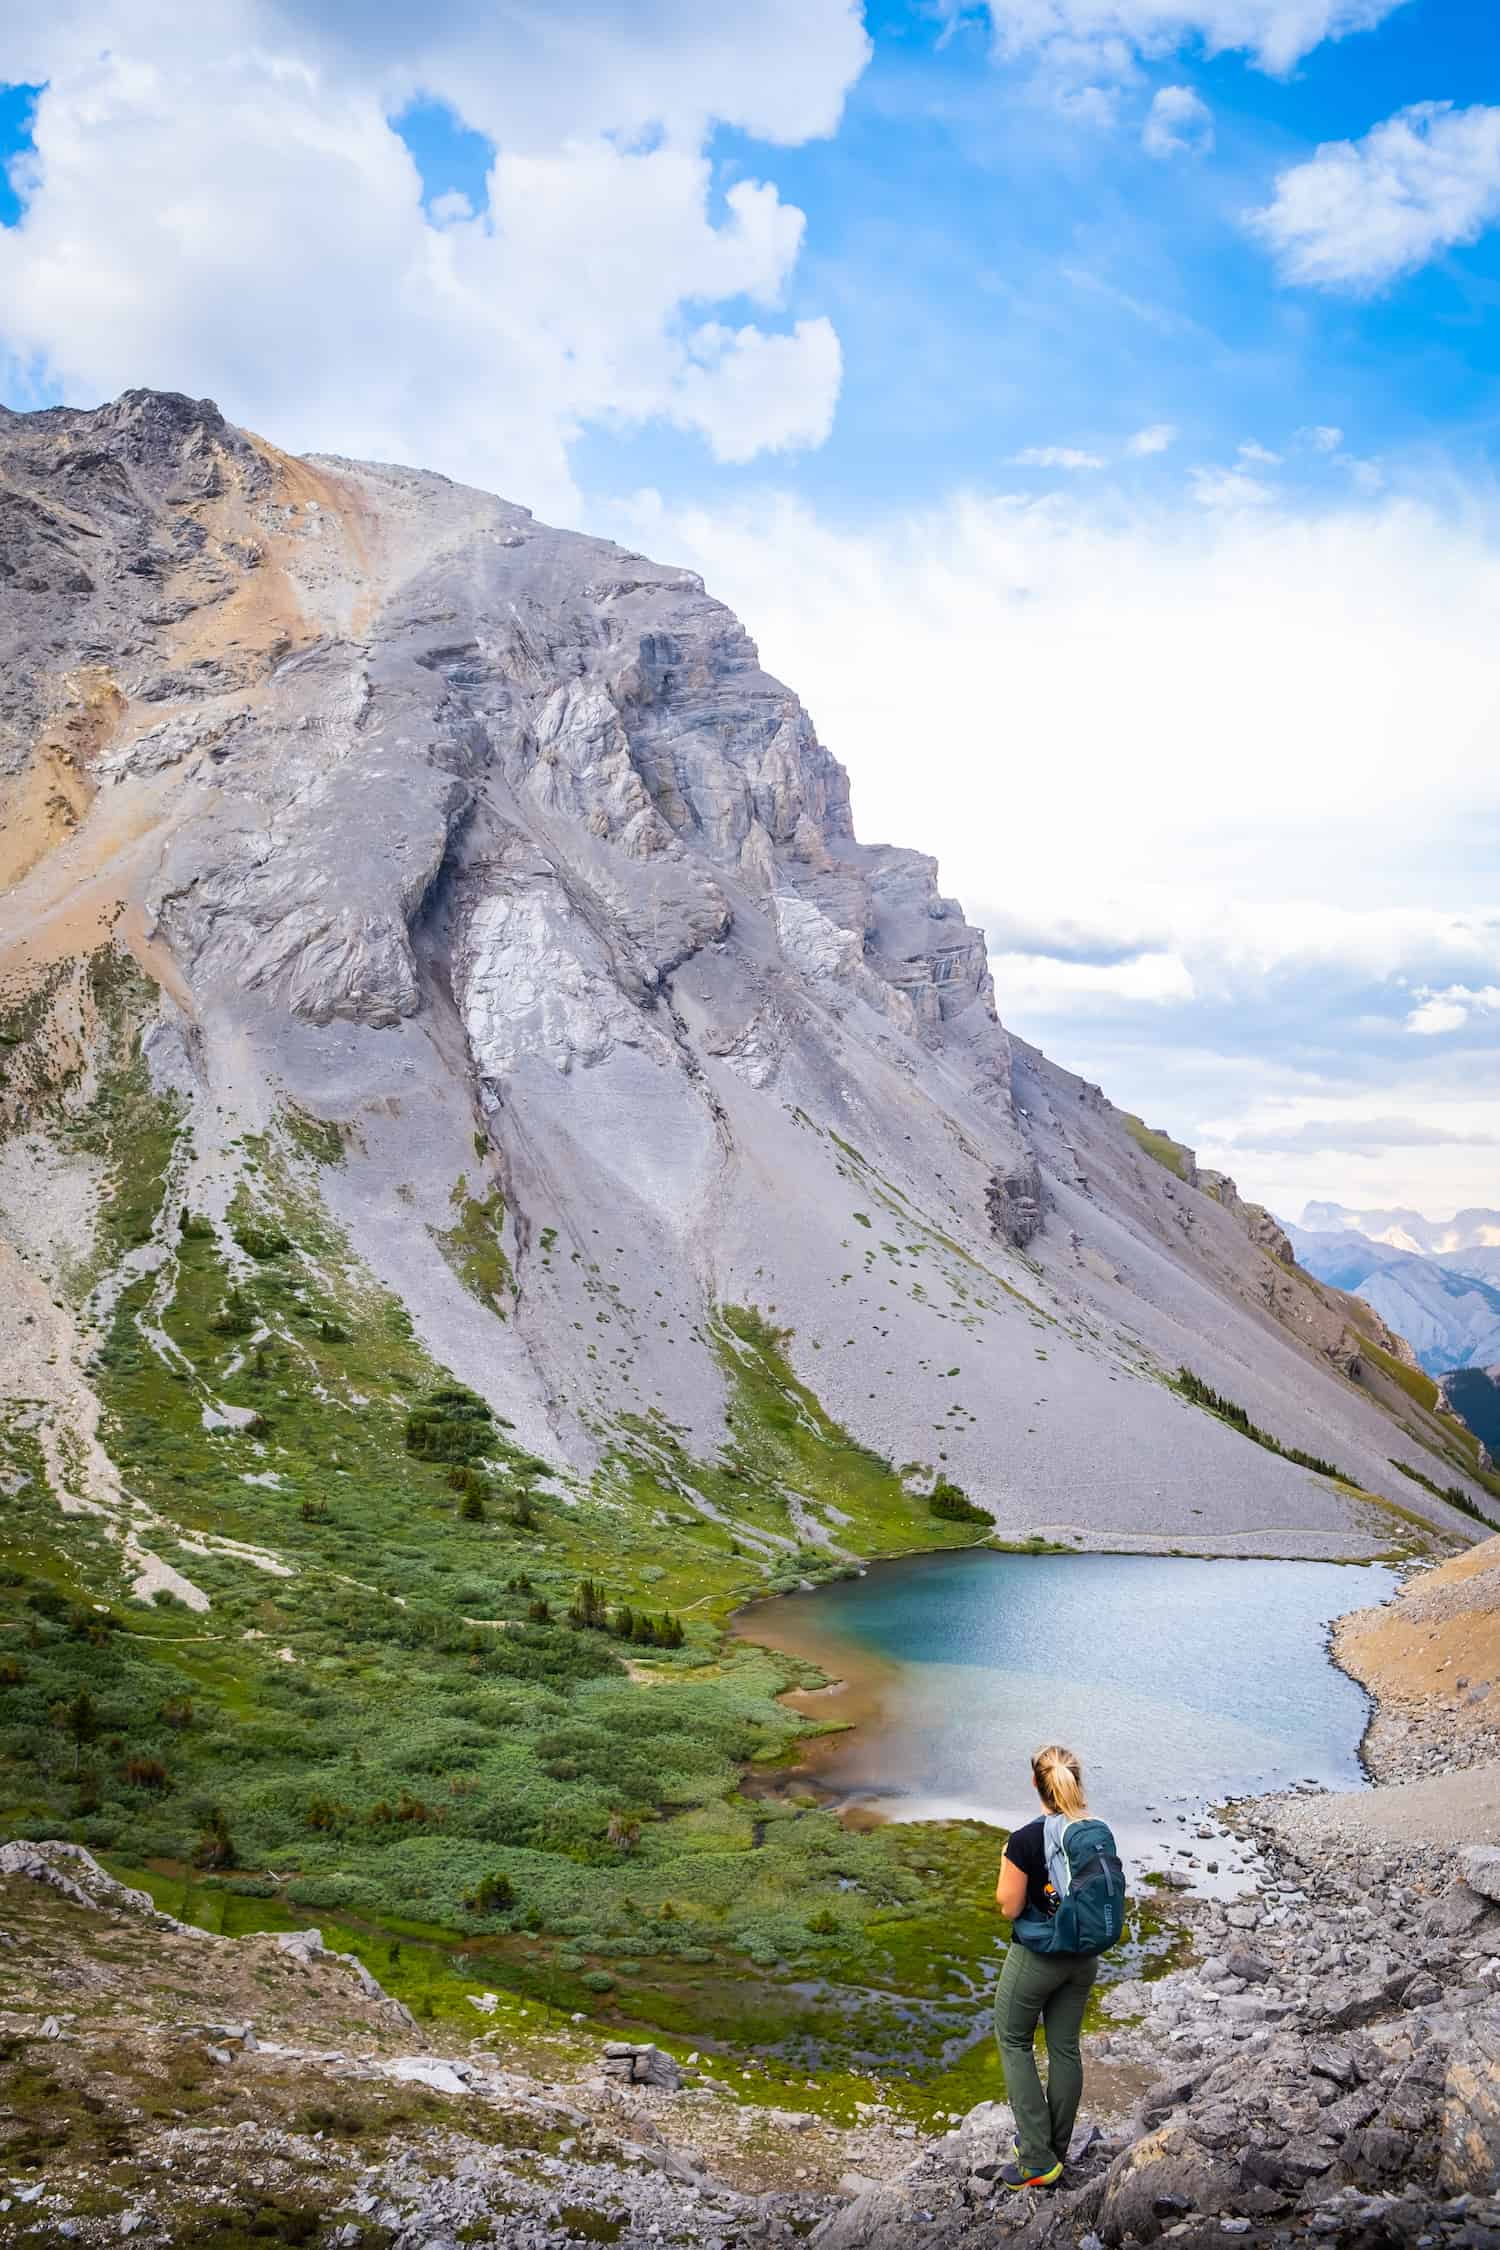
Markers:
point(387, 1719)
point(1159, 1146)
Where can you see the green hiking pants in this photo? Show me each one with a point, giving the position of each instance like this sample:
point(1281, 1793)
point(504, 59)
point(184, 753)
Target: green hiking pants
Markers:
point(1053, 1990)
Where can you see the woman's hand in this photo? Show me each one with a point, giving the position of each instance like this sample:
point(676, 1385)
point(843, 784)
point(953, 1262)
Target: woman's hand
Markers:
point(1010, 1890)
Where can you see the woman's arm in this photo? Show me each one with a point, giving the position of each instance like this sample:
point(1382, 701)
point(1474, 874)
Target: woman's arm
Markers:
point(1010, 1890)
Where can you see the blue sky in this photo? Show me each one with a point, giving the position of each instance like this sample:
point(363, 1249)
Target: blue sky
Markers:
point(980, 255)
point(1089, 404)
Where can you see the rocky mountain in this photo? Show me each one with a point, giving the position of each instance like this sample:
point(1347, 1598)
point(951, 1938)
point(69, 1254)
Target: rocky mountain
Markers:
point(485, 858)
point(494, 1175)
point(1445, 1302)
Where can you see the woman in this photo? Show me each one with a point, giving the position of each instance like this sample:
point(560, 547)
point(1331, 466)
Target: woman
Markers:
point(1050, 1988)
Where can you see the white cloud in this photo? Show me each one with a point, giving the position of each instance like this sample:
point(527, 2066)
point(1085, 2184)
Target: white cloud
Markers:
point(222, 205)
point(1090, 105)
point(1057, 457)
point(1359, 214)
point(1324, 437)
point(1366, 476)
point(1153, 439)
point(1261, 455)
point(530, 77)
point(1276, 34)
point(1451, 1008)
point(1178, 123)
point(1032, 980)
point(751, 393)
point(1229, 488)
point(1353, 1131)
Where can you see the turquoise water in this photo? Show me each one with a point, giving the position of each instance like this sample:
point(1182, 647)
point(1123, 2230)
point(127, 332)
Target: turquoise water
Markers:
point(1178, 1681)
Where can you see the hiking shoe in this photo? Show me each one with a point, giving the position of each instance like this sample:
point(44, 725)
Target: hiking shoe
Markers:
point(1017, 2176)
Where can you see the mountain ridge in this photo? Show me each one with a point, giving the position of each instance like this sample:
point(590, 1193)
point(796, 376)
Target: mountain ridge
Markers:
point(1446, 1302)
point(420, 816)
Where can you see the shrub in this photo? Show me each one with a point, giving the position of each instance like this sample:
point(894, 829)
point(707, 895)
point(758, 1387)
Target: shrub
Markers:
point(332, 1333)
point(145, 1773)
point(12, 1671)
point(91, 1625)
point(237, 1315)
point(261, 1241)
point(176, 1712)
point(80, 1719)
point(450, 1425)
point(471, 1507)
point(588, 1609)
point(493, 1894)
point(194, 1227)
point(1194, 1388)
point(953, 1504)
point(1454, 1494)
point(597, 1980)
point(215, 1845)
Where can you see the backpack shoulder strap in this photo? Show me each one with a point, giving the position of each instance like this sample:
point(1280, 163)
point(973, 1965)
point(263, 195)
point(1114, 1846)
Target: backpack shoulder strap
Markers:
point(1054, 1833)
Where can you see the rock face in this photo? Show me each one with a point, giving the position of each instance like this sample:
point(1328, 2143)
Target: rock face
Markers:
point(493, 848)
point(77, 1875)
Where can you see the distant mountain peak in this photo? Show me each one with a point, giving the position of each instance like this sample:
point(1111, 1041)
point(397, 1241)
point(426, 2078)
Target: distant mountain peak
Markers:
point(1473, 1229)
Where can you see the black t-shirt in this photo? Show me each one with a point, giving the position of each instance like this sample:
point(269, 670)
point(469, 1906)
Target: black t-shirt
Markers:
point(1026, 1848)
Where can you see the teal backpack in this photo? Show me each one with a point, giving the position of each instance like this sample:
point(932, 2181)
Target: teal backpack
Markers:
point(1084, 1870)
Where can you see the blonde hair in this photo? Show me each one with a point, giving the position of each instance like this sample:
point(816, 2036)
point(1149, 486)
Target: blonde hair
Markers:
point(1058, 1775)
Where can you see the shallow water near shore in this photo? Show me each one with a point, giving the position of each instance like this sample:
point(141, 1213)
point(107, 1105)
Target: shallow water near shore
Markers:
point(1180, 1681)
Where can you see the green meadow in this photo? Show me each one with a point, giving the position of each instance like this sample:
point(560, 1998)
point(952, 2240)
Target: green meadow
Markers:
point(483, 1722)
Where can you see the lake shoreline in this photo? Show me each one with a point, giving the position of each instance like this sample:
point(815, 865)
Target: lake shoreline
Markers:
point(902, 1731)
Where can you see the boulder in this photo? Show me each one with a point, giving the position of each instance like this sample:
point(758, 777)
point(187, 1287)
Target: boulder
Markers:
point(1459, 1911)
point(1470, 2159)
point(883, 2218)
point(641, 2064)
point(437, 2072)
point(1479, 1864)
point(1164, 2169)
